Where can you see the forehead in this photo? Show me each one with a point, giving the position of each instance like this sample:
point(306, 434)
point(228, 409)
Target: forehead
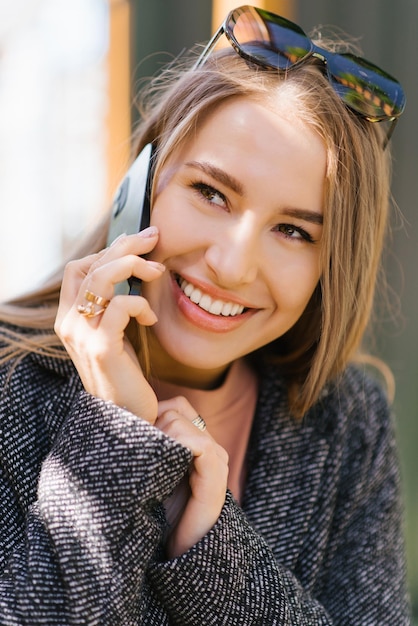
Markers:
point(262, 120)
point(259, 127)
point(272, 152)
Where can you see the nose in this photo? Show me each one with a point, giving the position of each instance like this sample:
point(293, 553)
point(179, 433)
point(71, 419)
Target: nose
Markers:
point(233, 254)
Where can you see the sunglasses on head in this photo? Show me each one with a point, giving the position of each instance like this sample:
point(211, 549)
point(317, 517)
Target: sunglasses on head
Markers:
point(275, 43)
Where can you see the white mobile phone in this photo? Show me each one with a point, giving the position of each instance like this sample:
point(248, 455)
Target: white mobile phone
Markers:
point(131, 208)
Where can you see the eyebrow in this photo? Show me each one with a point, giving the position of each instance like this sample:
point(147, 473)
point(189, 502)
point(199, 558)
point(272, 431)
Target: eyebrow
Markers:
point(218, 174)
point(304, 215)
point(229, 181)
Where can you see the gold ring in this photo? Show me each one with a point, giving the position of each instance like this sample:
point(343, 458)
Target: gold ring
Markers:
point(199, 422)
point(89, 310)
point(91, 297)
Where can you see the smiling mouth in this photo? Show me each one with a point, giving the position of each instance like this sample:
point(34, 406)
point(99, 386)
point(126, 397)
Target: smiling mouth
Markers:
point(204, 301)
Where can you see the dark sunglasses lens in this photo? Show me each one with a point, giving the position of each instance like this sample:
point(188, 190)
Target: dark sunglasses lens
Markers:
point(365, 87)
point(268, 39)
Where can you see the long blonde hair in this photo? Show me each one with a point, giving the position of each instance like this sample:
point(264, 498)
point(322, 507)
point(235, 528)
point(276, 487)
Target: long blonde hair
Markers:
point(330, 331)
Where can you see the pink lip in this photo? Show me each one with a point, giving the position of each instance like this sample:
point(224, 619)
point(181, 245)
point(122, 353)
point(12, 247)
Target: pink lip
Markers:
point(201, 318)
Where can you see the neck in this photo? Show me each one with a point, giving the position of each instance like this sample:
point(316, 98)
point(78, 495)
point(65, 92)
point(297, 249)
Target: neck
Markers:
point(166, 368)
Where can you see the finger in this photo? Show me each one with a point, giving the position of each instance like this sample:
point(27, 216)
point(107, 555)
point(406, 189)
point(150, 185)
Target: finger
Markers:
point(137, 244)
point(181, 428)
point(76, 271)
point(97, 290)
point(105, 276)
point(74, 274)
point(207, 479)
point(122, 308)
point(112, 320)
point(179, 404)
point(108, 337)
point(183, 407)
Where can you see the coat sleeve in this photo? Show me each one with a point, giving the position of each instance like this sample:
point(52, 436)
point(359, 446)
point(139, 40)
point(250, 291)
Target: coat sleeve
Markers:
point(233, 577)
point(81, 551)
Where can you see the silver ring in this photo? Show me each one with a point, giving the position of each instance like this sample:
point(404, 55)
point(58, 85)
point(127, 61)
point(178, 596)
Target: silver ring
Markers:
point(199, 422)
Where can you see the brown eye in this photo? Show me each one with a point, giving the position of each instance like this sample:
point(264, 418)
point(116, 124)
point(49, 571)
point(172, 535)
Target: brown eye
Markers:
point(210, 194)
point(293, 232)
point(287, 230)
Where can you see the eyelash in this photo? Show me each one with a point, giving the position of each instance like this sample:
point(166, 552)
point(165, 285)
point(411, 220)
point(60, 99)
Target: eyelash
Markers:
point(296, 229)
point(206, 191)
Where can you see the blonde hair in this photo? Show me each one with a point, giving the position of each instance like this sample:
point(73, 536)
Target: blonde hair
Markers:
point(29, 319)
point(330, 331)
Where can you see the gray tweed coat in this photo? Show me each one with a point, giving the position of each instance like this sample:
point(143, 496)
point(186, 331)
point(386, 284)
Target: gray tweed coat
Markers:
point(318, 540)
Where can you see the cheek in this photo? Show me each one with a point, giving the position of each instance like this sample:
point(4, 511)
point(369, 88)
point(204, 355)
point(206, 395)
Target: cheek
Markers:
point(293, 281)
point(177, 233)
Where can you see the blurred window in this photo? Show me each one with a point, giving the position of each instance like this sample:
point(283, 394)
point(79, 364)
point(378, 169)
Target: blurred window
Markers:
point(53, 108)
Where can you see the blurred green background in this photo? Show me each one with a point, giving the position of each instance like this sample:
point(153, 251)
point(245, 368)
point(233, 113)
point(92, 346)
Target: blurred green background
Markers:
point(387, 34)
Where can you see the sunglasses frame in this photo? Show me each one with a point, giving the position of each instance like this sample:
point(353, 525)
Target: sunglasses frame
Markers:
point(325, 57)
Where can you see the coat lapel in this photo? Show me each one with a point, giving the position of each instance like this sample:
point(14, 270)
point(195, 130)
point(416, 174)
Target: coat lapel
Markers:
point(285, 469)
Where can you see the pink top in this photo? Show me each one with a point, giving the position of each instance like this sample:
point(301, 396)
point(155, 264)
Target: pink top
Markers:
point(228, 412)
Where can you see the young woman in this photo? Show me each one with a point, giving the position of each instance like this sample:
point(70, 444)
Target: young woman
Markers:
point(206, 452)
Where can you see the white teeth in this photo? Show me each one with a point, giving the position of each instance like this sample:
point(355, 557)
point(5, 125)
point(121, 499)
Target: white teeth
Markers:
point(187, 288)
point(216, 307)
point(227, 308)
point(195, 296)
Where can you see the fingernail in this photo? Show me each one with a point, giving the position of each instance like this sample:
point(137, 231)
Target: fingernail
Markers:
point(151, 231)
point(117, 239)
point(158, 266)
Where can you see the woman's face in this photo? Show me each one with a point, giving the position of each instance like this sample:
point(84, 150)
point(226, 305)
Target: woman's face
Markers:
point(239, 210)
